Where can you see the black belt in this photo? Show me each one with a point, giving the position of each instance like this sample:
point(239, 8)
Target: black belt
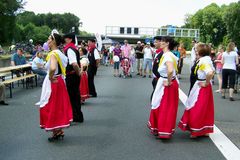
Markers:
point(71, 72)
point(173, 78)
point(201, 79)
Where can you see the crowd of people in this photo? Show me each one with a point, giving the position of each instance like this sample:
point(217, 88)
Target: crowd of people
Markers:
point(69, 72)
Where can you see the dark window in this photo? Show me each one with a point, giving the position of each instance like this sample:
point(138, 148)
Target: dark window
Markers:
point(135, 30)
point(129, 30)
point(121, 30)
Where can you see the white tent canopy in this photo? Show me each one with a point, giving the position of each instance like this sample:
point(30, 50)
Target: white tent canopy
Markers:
point(108, 41)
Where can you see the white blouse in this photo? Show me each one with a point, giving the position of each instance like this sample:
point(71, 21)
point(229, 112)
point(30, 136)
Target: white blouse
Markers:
point(229, 60)
point(167, 57)
point(63, 58)
point(205, 66)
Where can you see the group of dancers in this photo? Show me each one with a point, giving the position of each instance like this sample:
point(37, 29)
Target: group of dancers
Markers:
point(198, 117)
point(60, 102)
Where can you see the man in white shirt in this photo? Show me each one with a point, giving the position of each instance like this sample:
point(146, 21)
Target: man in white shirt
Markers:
point(73, 76)
point(147, 60)
point(193, 53)
point(94, 59)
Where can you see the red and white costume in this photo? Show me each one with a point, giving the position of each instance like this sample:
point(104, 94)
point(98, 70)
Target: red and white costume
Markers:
point(163, 114)
point(198, 117)
point(83, 87)
point(55, 105)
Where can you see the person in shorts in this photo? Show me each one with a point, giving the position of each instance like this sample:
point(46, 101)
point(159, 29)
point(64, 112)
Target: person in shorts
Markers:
point(116, 59)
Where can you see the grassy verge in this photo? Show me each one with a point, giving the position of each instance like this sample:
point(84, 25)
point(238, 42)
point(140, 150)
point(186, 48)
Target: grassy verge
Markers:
point(8, 56)
point(5, 56)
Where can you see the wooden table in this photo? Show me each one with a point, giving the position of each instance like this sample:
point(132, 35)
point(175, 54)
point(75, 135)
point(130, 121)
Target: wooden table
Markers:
point(11, 68)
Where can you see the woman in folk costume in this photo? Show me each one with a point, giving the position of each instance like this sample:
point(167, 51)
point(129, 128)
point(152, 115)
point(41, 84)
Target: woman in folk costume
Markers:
point(163, 114)
point(198, 117)
point(55, 105)
point(83, 87)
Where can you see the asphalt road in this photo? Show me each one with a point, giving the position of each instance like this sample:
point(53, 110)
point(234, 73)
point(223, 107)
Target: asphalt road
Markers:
point(114, 128)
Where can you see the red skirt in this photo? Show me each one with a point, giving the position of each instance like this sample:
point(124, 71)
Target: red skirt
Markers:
point(162, 120)
point(199, 120)
point(57, 113)
point(83, 87)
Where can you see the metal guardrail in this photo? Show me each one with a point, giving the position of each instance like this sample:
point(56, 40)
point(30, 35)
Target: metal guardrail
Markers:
point(137, 32)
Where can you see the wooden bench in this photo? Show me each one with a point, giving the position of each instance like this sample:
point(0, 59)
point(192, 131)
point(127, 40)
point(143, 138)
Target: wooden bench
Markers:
point(9, 82)
point(3, 75)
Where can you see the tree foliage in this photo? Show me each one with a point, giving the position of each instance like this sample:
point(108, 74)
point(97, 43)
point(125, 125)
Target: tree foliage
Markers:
point(8, 11)
point(22, 26)
point(231, 18)
point(217, 24)
point(209, 21)
point(63, 22)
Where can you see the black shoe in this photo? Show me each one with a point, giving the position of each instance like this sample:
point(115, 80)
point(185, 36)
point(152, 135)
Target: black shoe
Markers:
point(56, 137)
point(3, 103)
point(223, 97)
point(80, 119)
point(231, 99)
point(93, 96)
point(77, 121)
point(150, 76)
point(144, 76)
point(138, 73)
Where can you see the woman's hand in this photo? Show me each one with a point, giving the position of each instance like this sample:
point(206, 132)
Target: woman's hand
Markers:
point(203, 84)
point(53, 79)
point(166, 83)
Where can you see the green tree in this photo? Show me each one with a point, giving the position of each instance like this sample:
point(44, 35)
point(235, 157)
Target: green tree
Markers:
point(37, 34)
point(62, 22)
point(210, 22)
point(231, 19)
point(26, 18)
point(84, 33)
point(8, 11)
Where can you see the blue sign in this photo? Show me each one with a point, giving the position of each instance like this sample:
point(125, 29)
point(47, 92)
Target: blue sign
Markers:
point(148, 40)
point(171, 29)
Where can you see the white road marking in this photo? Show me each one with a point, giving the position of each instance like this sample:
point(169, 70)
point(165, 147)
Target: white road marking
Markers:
point(225, 146)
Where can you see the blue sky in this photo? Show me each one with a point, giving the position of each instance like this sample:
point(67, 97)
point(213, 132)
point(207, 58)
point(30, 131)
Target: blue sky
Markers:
point(96, 14)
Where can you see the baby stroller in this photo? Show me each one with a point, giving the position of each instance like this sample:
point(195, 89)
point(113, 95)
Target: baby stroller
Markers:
point(126, 67)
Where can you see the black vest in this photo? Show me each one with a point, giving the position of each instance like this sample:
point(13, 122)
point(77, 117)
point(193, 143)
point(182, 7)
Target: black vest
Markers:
point(193, 76)
point(156, 64)
point(69, 67)
point(92, 61)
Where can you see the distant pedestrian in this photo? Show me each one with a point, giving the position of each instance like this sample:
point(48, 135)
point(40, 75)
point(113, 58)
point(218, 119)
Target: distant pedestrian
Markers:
point(193, 52)
point(116, 59)
point(147, 60)
point(229, 61)
point(132, 58)
point(126, 50)
point(94, 60)
point(139, 57)
point(182, 51)
point(219, 66)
